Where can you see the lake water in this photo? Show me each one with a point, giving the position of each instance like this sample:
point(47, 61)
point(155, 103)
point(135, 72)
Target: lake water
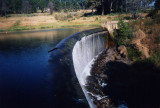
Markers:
point(27, 77)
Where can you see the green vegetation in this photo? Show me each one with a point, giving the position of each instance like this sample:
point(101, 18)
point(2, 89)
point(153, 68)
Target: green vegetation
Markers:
point(32, 6)
point(49, 26)
point(16, 24)
point(133, 53)
point(155, 58)
point(101, 6)
point(123, 34)
point(157, 5)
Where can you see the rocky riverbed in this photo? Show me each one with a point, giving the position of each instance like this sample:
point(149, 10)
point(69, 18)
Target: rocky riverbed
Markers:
point(97, 82)
point(117, 82)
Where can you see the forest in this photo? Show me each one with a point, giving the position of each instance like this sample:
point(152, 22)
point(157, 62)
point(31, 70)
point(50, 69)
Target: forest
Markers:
point(102, 6)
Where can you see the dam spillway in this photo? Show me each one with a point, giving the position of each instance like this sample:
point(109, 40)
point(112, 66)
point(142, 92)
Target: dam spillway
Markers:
point(84, 53)
point(75, 54)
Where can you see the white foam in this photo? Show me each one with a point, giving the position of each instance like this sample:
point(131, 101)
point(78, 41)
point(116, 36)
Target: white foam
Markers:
point(84, 53)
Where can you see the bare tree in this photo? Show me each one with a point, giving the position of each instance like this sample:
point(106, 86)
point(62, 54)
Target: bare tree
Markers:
point(50, 5)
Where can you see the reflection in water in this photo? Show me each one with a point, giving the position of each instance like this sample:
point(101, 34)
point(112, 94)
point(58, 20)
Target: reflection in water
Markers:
point(25, 74)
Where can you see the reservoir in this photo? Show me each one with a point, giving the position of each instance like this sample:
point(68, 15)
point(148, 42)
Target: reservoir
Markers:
point(30, 77)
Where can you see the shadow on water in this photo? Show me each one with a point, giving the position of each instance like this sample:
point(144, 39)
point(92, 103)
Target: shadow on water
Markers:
point(136, 84)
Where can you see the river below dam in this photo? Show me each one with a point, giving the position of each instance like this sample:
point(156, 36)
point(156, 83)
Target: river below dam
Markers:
point(30, 77)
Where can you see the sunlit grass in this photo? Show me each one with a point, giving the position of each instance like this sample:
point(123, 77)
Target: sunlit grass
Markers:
point(17, 27)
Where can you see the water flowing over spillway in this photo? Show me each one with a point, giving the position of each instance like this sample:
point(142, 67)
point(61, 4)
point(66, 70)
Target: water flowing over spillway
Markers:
point(84, 53)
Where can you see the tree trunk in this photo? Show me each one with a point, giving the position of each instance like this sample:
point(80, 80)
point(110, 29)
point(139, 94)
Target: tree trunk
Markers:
point(92, 11)
point(102, 2)
point(111, 6)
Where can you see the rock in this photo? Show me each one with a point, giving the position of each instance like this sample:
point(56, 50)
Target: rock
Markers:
point(91, 79)
point(98, 81)
point(113, 58)
point(118, 57)
point(104, 103)
point(122, 50)
point(103, 76)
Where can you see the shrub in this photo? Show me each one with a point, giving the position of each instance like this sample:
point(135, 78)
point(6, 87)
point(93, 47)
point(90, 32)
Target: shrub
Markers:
point(113, 14)
point(123, 34)
point(148, 22)
point(96, 19)
point(156, 57)
point(157, 19)
point(157, 39)
point(63, 16)
point(133, 53)
point(17, 23)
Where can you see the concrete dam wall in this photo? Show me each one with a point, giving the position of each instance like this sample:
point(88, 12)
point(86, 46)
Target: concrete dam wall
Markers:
point(84, 53)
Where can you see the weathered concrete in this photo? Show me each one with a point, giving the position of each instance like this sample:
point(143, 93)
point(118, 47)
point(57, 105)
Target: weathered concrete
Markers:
point(111, 25)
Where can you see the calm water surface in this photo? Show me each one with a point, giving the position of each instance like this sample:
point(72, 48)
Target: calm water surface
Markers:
point(26, 76)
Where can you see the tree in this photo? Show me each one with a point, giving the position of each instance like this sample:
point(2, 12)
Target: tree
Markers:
point(18, 6)
point(93, 4)
point(57, 5)
point(123, 33)
point(106, 6)
point(76, 5)
point(50, 5)
point(157, 5)
point(4, 8)
point(26, 7)
point(15, 6)
point(34, 5)
point(42, 5)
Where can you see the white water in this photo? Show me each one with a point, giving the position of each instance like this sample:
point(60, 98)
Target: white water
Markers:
point(84, 53)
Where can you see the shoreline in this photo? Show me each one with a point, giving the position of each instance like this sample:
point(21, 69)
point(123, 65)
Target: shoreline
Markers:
point(44, 28)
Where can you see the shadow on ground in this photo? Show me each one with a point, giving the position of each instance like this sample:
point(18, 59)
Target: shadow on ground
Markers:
point(137, 84)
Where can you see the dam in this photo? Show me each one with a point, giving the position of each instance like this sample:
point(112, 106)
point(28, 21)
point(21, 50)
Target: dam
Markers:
point(78, 52)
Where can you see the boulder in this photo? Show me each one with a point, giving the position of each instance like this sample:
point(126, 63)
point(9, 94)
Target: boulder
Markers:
point(118, 57)
point(122, 50)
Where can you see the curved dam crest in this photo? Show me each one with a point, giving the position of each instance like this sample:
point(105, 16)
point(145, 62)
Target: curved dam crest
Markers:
point(84, 54)
point(76, 53)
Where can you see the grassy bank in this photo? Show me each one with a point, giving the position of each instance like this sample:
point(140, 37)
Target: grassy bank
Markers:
point(20, 22)
point(48, 26)
point(142, 39)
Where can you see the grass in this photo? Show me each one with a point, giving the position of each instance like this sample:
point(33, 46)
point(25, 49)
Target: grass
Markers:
point(20, 22)
point(113, 14)
point(16, 26)
point(151, 27)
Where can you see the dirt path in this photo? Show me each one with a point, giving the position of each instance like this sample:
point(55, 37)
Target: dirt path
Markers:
point(139, 36)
